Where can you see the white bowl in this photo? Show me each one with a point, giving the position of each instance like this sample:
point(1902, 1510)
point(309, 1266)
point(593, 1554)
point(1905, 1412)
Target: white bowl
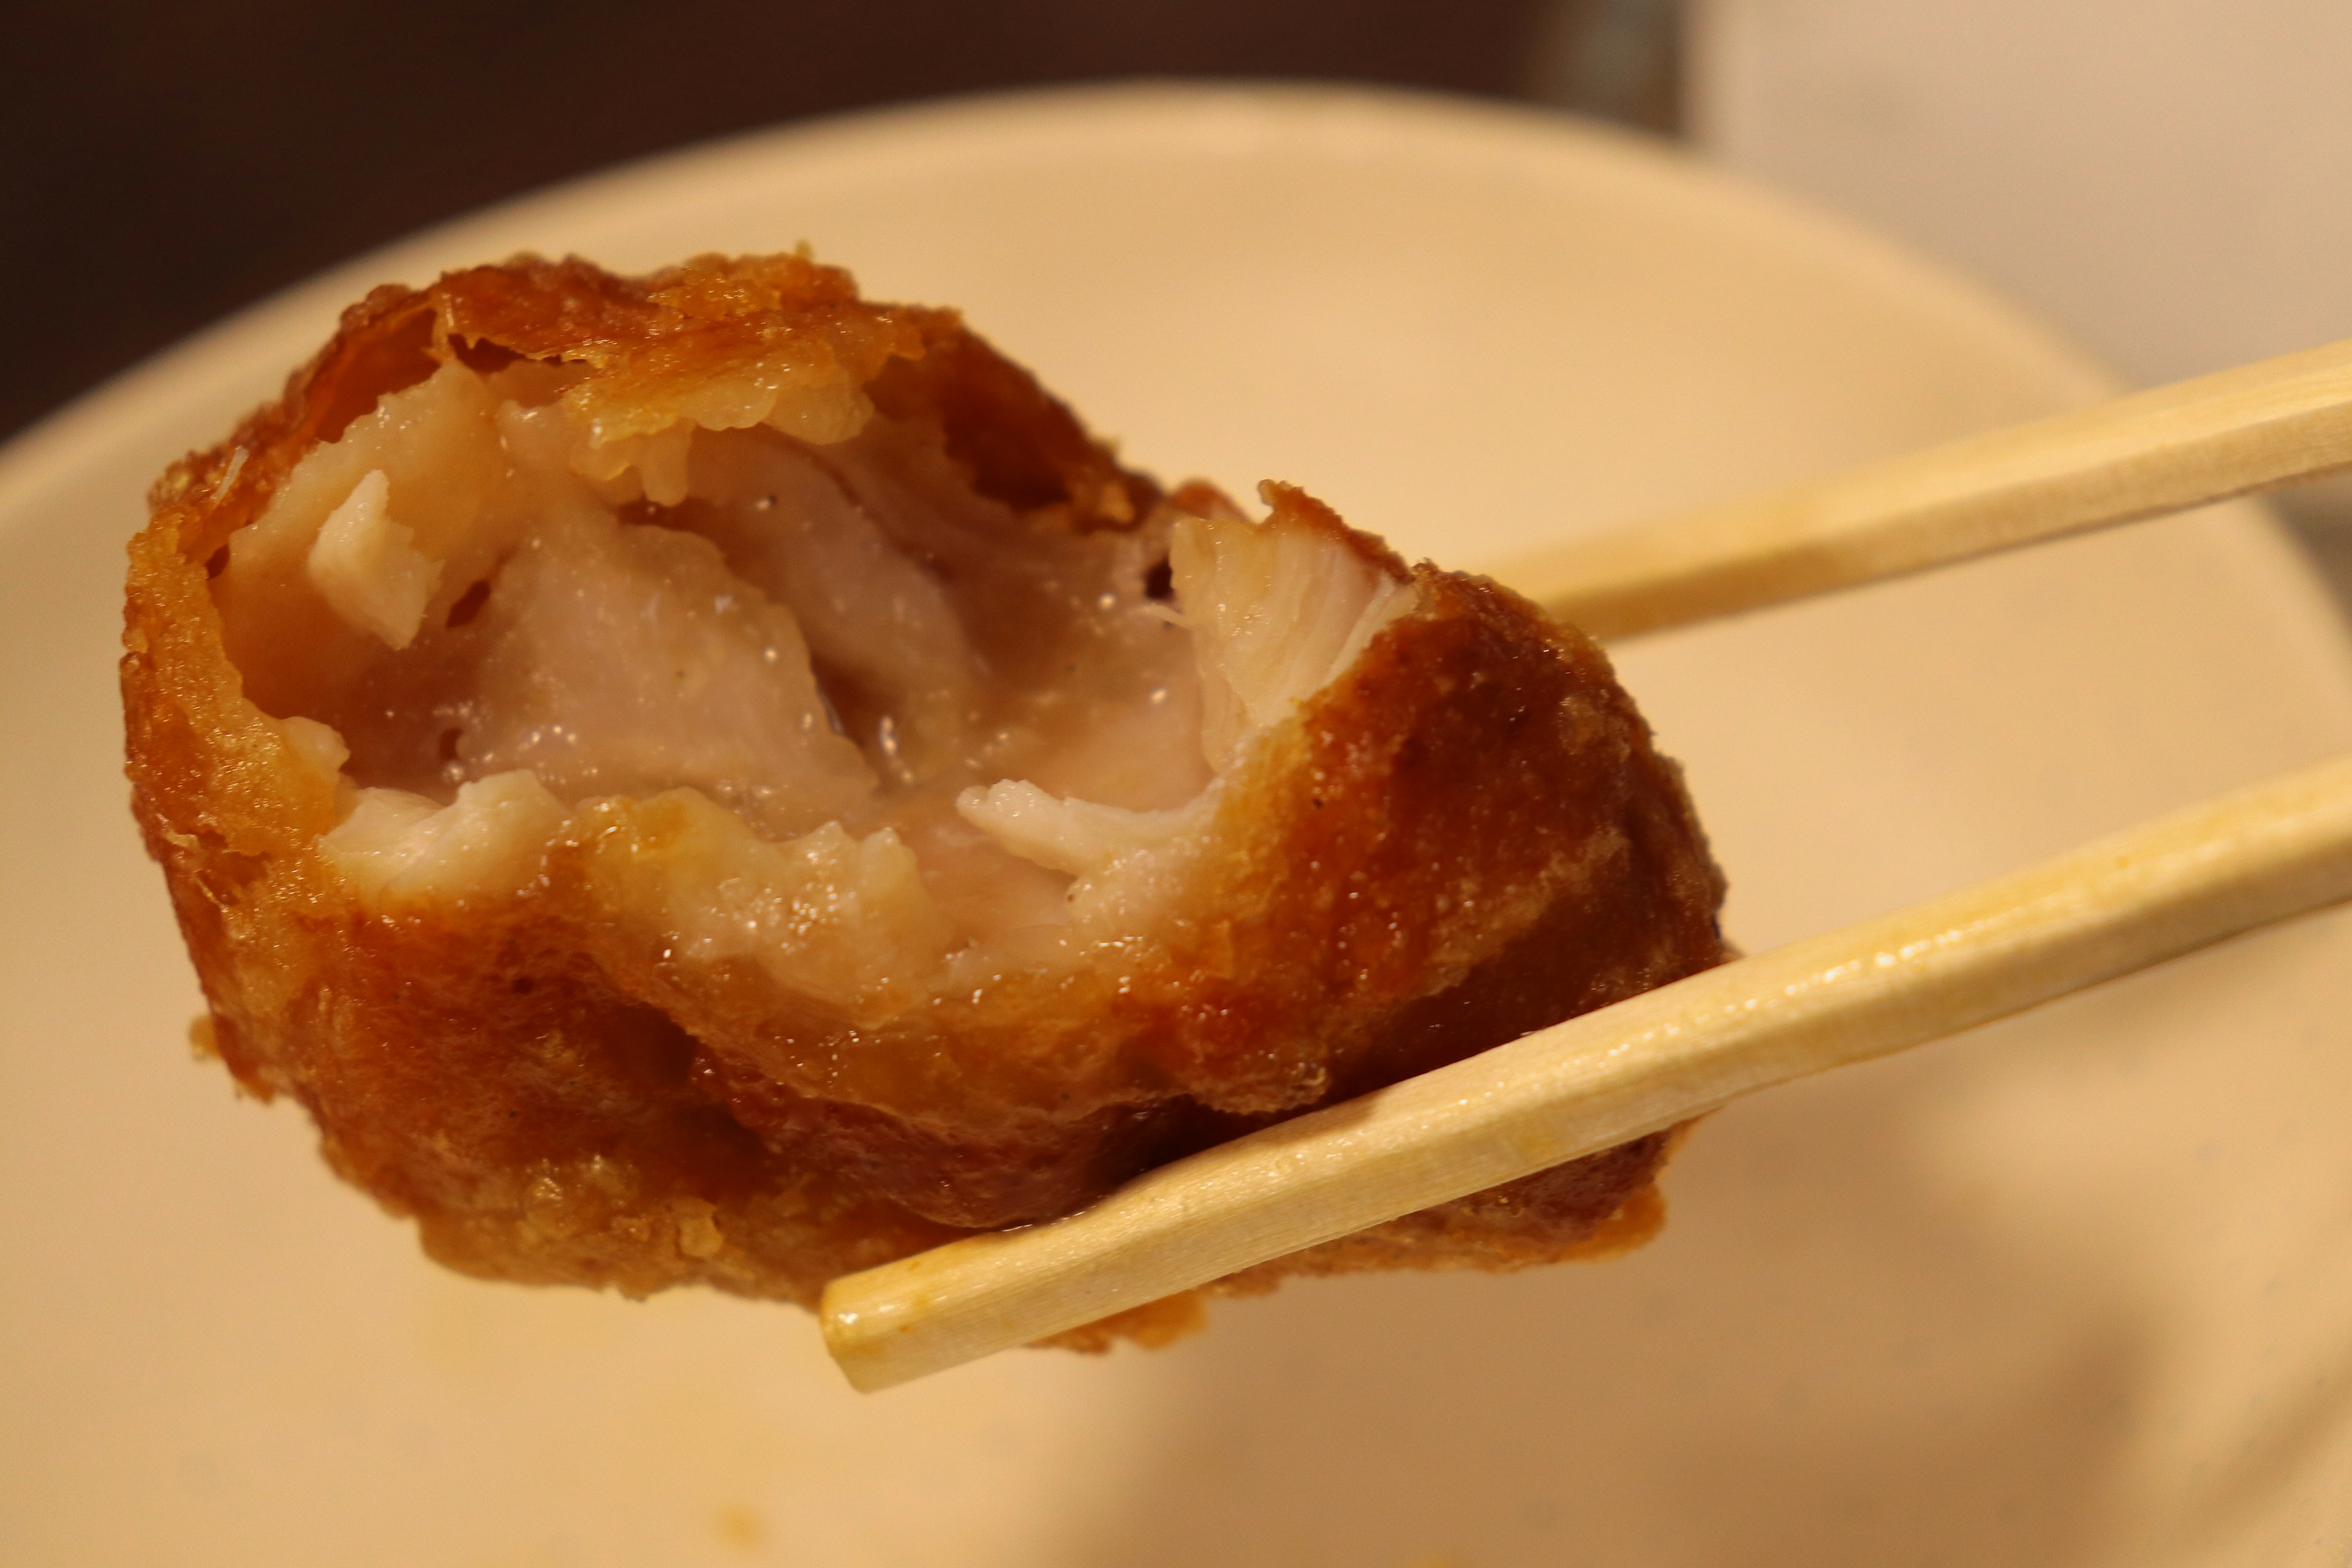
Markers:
point(2076, 1288)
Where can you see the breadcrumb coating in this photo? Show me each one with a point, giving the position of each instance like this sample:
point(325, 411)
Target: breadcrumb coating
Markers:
point(707, 779)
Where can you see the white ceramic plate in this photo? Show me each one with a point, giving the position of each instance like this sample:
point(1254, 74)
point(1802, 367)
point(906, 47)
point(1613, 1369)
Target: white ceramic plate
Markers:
point(2074, 1289)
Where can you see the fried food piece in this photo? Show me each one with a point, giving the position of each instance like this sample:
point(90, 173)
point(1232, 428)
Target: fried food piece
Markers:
point(708, 779)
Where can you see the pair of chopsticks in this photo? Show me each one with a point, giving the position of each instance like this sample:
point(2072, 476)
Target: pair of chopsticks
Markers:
point(2126, 902)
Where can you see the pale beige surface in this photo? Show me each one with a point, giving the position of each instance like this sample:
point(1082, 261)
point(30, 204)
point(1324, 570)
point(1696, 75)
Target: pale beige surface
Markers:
point(2255, 428)
point(2070, 1291)
point(2153, 892)
point(2163, 179)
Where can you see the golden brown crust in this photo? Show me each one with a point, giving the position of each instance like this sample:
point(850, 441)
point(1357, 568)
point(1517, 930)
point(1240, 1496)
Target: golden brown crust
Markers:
point(1468, 836)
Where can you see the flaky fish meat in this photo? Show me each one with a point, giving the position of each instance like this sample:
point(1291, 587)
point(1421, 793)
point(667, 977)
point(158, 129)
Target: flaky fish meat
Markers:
point(707, 779)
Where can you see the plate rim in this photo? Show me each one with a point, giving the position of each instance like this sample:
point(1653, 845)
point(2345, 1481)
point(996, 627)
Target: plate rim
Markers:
point(207, 368)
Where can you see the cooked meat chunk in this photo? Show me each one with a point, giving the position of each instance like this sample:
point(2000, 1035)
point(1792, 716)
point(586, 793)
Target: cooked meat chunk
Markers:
point(705, 778)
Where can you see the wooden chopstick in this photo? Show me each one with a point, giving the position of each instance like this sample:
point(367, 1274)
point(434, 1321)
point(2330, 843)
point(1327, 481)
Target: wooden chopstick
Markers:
point(2123, 903)
point(2257, 427)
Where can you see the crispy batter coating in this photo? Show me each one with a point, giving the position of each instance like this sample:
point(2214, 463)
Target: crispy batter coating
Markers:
point(550, 1060)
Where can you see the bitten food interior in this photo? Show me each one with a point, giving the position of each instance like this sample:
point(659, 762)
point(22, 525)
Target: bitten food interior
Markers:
point(704, 778)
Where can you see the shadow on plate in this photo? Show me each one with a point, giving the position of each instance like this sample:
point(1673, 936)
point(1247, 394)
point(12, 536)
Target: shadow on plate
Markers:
point(1825, 1359)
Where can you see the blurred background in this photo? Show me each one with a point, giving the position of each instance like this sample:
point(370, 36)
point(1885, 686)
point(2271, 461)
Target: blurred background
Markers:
point(172, 160)
point(2169, 179)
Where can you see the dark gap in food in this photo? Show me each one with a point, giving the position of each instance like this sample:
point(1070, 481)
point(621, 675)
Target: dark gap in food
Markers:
point(469, 605)
point(364, 370)
point(483, 357)
point(857, 710)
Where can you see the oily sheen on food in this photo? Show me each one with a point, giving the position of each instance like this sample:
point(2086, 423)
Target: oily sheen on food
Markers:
point(704, 778)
